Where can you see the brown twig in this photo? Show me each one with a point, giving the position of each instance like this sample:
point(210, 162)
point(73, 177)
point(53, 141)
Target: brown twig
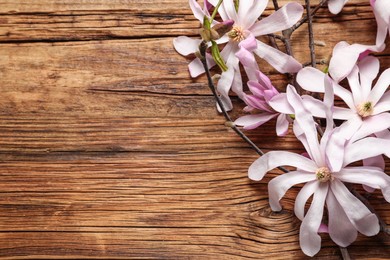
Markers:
point(312, 14)
point(311, 37)
point(230, 123)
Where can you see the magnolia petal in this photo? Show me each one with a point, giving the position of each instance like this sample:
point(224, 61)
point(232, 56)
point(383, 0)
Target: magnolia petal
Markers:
point(282, 125)
point(304, 194)
point(250, 122)
point(383, 104)
point(361, 218)
point(371, 176)
point(309, 239)
point(343, 113)
point(345, 57)
point(335, 6)
point(354, 84)
point(368, 71)
point(196, 67)
point(305, 121)
point(279, 60)
point(230, 9)
point(197, 10)
point(221, 9)
point(280, 104)
point(274, 159)
point(376, 161)
point(335, 147)
point(250, 10)
point(186, 45)
point(311, 79)
point(382, 15)
point(371, 125)
point(340, 229)
point(280, 20)
point(380, 87)
point(366, 148)
point(278, 186)
point(315, 106)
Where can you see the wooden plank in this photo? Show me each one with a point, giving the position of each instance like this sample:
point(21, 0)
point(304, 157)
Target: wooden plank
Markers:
point(109, 150)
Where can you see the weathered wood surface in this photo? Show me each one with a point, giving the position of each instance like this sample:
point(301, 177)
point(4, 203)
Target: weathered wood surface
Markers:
point(108, 149)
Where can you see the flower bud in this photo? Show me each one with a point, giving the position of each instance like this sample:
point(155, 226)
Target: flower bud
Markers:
point(219, 30)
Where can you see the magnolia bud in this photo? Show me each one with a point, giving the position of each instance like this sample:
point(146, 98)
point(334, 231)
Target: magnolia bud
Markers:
point(219, 30)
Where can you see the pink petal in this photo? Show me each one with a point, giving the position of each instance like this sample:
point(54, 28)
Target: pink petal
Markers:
point(366, 148)
point(282, 125)
point(249, 15)
point(304, 194)
point(309, 239)
point(335, 147)
point(279, 60)
point(383, 26)
point(370, 176)
point(376, 161)
point(279, 185)
point(315, 106)
point(380, 87)
point(312, 80)
point(250, 122)
point(341, 229)
point(185, 45)
point(221, 9)
point(197, 10)
point(343, 113)
point(224, 85)
point(335, 6)
point(274, 159)
point(280, 104)
point(305, 121)
point(196, 67)
point(383, 104)
point(345, 57)
point(371, 125)
point(368, 71)
point(280, 20)
point(361, 218)
point(230, 9)
point(354, 84)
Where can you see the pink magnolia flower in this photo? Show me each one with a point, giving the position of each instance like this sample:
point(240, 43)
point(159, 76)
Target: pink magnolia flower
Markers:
point(367, 108)
point(262, 92)
point(246, 27)
point(382, 15)
point(325, 181)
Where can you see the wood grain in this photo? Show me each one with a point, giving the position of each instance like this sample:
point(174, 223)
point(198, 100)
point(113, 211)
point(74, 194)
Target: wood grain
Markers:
point(108, 149)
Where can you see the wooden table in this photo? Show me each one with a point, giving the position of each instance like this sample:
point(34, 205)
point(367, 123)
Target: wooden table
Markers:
point(108, 149)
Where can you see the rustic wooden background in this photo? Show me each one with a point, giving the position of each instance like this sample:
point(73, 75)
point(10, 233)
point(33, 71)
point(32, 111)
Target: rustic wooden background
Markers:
point(108, 149)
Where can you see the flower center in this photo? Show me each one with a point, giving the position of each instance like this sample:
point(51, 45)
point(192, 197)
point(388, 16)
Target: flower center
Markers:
point(365, 109)
point(236, 34)
point(323, 174)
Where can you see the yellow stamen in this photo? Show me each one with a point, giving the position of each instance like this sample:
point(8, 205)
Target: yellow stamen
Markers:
point(236, 34)
point(323, 174)
point(365, 109)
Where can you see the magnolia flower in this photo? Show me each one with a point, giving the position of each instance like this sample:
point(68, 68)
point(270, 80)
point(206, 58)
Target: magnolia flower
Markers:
point(367, 108)
point(382, 16)
point(324, 180)
point(246, 27)
point(262, 92)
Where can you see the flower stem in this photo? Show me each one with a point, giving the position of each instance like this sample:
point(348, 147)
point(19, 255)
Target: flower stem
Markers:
point(215, 11)
point(311, 37)
point(230, 123)
point(312, 14)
